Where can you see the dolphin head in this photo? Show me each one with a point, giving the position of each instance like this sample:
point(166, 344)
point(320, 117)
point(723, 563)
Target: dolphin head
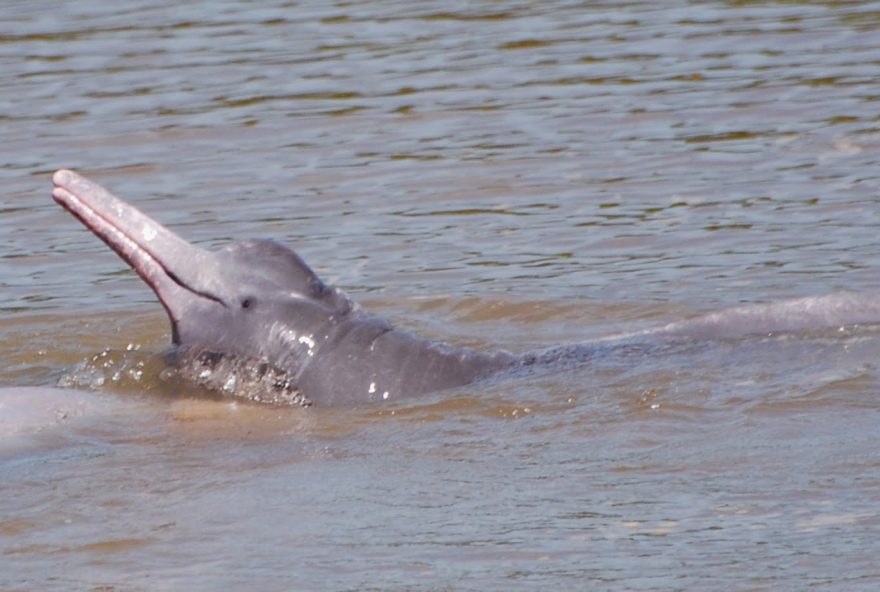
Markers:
point(252, 300)
point(257, 298)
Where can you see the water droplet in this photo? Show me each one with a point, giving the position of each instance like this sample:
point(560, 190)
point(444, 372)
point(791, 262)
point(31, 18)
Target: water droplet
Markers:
point(308, 341)
point(229, 385)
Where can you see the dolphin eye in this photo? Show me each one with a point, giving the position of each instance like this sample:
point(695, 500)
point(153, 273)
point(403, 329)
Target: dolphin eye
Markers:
point(319, 288)
point(247, 302)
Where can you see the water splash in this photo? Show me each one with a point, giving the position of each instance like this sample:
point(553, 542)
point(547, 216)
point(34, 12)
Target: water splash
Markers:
point(247, 378)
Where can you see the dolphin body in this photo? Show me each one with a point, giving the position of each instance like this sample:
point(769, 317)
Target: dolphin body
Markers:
point(253, 320)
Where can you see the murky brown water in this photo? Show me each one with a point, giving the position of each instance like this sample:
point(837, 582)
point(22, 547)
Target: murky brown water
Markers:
point(519, 174)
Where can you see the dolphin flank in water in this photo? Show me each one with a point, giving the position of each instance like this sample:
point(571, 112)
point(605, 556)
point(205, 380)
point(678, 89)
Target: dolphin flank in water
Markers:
point(253, 320)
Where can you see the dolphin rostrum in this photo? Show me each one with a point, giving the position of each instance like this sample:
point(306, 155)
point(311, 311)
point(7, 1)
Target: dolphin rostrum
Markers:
point(253, 320)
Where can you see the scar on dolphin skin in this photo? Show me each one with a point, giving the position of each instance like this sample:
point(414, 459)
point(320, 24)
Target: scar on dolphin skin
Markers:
point(253, 320)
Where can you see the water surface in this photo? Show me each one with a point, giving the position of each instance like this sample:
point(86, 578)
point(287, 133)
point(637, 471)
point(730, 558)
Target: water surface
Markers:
point(511, 175)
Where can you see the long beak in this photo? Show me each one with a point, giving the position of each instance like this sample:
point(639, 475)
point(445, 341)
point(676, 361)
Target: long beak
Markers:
point(171, 266)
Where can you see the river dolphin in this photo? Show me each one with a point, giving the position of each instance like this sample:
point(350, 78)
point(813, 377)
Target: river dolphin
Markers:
point(253, 320)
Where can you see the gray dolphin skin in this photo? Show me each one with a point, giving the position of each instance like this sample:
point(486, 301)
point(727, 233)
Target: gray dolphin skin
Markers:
point(253, 320)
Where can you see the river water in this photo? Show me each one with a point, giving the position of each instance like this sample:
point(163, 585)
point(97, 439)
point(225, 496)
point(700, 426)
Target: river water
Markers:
point(495, 174)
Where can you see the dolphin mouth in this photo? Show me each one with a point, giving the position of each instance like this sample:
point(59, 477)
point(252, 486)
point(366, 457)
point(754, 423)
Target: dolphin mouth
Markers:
point(166, 262)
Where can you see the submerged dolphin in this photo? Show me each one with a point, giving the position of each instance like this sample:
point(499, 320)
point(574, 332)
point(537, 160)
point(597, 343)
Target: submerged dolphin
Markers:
point(253, 320)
